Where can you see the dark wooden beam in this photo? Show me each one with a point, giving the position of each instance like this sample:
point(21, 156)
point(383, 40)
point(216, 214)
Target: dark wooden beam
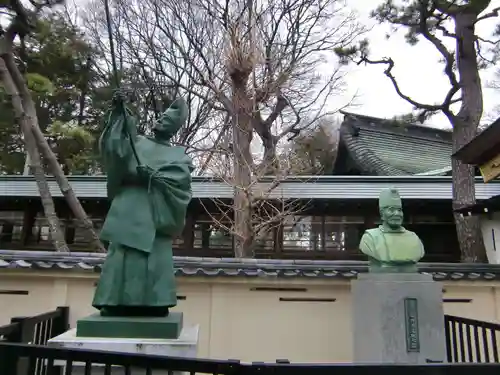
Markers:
point(29, 218)
point(484, 147)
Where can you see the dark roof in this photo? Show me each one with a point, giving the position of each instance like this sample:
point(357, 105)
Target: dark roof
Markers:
point(230, 267)
point(383, 147)
point(481, 149)
point(483, 207)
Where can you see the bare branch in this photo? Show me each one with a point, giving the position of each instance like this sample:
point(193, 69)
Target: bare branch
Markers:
point(388, 72)
point(494, 13)
point(448, 57)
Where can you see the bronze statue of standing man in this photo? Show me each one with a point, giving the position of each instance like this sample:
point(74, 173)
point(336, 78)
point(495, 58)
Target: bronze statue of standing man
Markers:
point(149, 185)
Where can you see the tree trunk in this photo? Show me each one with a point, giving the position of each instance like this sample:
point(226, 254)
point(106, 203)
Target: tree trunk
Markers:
point(465, 125)
point(270, 165)
point(57, 235)
point(468, 228)
point(50, 157)
point(27, 163)
point(242, 138)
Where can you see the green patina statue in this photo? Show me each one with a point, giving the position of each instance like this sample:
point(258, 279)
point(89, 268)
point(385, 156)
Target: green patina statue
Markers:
point(390, 247)
point(149, 183)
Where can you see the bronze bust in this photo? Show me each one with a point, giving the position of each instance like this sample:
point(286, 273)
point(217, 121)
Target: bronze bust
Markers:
point(391, 247)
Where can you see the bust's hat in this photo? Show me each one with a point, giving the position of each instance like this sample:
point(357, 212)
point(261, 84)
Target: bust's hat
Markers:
point(389, 198)
point(172, 119)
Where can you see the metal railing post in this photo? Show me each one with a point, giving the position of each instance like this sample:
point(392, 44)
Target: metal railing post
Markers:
point(23, 335)
point(61, 323)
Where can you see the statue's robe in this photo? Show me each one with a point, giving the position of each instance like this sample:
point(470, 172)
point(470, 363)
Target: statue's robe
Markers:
point(391, 248)
point(145, 214)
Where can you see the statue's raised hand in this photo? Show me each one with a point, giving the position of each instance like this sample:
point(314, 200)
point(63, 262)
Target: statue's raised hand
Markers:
point(119, 96)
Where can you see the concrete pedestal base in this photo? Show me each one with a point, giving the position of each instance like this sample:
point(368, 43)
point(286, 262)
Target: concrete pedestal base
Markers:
point(398, 318)
point(164, 327)
point(184, 346)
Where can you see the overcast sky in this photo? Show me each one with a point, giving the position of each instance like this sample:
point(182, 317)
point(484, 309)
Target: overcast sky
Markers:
point(416, 68)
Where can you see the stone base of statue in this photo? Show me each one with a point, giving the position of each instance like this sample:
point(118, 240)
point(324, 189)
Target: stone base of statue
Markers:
point(397, 318)
point(167, 327)
point(185, 345)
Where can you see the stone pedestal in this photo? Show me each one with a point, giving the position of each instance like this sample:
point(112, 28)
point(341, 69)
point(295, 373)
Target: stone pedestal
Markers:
point(164, 327)
point(398, 318)
point(184, 346)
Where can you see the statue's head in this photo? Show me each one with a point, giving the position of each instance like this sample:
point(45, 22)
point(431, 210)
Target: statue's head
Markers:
point(171, 120)
point(391, 208)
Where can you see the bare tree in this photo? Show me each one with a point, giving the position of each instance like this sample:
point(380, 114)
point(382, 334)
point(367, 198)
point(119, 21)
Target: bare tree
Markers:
point(19, 25)
point(154, 75)
point(267, 211)
point(262, 67)
point(439, 21)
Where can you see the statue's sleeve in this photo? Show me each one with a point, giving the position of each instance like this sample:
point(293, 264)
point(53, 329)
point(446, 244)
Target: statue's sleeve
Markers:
point(366, 244)
point(170, 192)
point(422, 249)
point(115, 145)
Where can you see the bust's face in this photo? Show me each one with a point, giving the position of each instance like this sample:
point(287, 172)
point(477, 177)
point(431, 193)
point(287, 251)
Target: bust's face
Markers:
point(392, 216)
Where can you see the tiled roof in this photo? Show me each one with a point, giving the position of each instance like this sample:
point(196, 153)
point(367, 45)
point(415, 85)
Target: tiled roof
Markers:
point(384, 148)
point(230, 267)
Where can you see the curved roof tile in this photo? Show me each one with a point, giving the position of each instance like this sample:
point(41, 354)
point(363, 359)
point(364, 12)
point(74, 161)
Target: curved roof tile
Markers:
point(230, 267)
point(386, 148)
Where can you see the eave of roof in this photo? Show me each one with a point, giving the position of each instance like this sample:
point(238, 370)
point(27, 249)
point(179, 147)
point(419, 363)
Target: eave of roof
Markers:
point(299, 187)
point(436, 172)
point(379, 147)
point(419, 131)
point(482, 148)
point(231, 267)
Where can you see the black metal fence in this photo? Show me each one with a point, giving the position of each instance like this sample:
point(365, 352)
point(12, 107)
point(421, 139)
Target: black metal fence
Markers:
point(76, 361)
point(23, 351)
point(33, 330)
point(470, 340)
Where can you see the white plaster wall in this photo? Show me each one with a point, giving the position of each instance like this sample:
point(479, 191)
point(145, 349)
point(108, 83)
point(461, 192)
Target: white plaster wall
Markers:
point(490, 227)
point(24, 296)
point(238, 322)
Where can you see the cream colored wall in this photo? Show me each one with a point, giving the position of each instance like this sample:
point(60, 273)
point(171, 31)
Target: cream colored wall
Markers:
point(238, 321)
point(490, 227)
